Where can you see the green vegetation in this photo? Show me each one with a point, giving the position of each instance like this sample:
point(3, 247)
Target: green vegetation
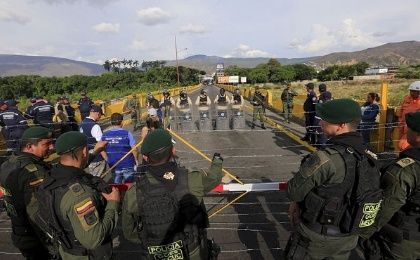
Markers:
point(273, 72)
point(409, 72)
point(338, 72)
point(105, 87)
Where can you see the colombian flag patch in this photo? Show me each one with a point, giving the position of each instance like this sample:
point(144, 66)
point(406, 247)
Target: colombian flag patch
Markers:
point(85, 207)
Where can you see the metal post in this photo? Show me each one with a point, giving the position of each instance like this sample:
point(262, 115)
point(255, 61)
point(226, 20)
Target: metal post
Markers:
point(382, 117)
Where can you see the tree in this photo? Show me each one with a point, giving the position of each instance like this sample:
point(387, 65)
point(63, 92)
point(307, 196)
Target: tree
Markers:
point(303, 72)
point(107, 65)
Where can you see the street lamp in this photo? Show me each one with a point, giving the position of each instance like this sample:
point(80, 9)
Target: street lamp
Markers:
point(176, 57)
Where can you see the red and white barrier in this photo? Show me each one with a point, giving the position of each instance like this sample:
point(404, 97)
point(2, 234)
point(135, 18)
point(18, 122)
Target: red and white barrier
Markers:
point(264, 186)
point(257, 187)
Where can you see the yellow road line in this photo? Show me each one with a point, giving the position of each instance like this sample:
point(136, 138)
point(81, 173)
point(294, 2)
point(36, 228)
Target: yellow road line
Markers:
point(202, 155)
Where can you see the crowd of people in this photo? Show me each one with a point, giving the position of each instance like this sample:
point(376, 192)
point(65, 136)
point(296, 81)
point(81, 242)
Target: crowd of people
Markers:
point(341, 197)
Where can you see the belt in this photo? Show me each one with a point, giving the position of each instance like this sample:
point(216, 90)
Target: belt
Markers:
point(326, 230)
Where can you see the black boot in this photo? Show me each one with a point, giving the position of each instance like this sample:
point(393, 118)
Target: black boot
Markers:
point(252, 126)
point(262, 126)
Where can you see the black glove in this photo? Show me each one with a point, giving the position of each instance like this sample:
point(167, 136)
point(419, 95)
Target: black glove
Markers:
point(217, 155)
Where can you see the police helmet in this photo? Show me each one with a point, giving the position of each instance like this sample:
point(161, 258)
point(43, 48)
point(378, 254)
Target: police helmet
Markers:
point(222, 91)
point(165, 92)
point(237, 91)
point(203, 91)
point(149, 96)
point(322, 87)
point(415, 86)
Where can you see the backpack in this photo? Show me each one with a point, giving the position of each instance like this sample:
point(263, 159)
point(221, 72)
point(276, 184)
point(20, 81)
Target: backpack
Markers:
point(171, 222)
point(364, 198)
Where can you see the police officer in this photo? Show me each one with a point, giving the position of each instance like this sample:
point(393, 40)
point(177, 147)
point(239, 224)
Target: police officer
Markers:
point(84, 104)
point(203, 99)
point(71, 113)
point(133, 107)
point(163, 211)
point(258, 101)
point(309, 108)
point(28, 111)
point(184, 100)
point(324, 96)
point(20, 177)
point(79, 211)
point(14, 124)
point(287, 98)
point(43, 113)
point(324, 188)
point(237, 99)
point(166, 105)
point(90, 127)
point(400, 210)
point(222, 99)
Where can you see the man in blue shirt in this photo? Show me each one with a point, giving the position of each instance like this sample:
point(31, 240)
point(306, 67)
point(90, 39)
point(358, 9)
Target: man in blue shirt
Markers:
point(120, 142)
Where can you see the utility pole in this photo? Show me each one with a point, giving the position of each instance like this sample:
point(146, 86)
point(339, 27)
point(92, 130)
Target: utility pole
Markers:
point(177, 65)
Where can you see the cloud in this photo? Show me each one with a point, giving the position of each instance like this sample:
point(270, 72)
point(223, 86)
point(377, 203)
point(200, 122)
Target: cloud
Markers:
point(153, 16)
point(324, 39)
point(91, 2)
point(107, 28)
point(193, 29)
point(10, 14)
point(245, 51)
point(139, 45)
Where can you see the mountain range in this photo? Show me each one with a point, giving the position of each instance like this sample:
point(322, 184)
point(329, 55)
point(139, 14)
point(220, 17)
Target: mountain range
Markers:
point(390, 54)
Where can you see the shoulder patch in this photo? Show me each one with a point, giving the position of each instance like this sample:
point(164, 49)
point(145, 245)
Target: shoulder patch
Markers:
point(31, 167)
point(77, 189)
point(405, 162)
point(87, 214)
point(311, 164)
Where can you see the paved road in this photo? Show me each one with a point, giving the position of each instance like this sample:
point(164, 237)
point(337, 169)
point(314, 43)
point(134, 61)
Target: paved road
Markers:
point(255, 227)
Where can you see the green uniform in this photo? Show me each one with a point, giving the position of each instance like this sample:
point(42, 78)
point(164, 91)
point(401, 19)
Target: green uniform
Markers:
point(134, 107)
point(199, 183)
point(21, 176)
point(324, 168)
point(86, 218)
point(258, 112)
point(287, 98)
point(400, 208)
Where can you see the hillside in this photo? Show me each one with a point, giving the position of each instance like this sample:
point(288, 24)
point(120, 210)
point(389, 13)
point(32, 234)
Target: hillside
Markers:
point(390, 54)
point(11, 65)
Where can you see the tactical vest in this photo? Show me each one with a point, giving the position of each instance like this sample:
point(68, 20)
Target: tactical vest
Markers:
point(59, 228)
point(203, 100)
point(167, 101)
point(349, 207)
point(14, 195)
point(237, 98)
point(183, 101)
point(171, 222)
point(86, 126)
point(407, 219)
point(222, 99)
point(258, 98)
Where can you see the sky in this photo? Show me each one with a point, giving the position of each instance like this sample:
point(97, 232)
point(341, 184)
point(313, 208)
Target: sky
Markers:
point(97, 30)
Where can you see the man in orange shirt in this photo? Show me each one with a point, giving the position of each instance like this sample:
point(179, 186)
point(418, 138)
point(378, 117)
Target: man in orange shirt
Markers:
point(410, 104)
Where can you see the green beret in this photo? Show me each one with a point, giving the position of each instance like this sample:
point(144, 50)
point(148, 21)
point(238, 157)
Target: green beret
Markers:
point(155, 140)
point(413, 121)
point(339, 111)
point(37, 132)
point(70, 141)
